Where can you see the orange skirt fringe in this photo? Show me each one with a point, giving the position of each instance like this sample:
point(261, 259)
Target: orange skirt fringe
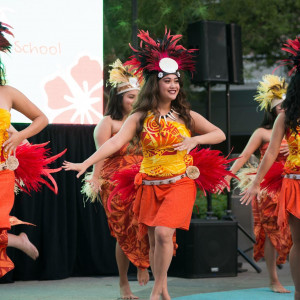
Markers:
point(7, 183)
point(289, 201)
point(168, 205)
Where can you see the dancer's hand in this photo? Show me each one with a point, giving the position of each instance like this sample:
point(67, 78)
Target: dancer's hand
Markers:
point(14, 140)
point(284, 149)
point(250, 194)
point(79, 167)
point(222, 189)
point(188, 143)
point(95, 184)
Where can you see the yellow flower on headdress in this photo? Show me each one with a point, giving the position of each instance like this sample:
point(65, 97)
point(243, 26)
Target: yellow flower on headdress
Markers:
point(121, 78)
point(270, 92)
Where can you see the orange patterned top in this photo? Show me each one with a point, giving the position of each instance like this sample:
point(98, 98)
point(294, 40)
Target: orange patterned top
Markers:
point(4, 125)
point(159, 157)
point(292, 164)
point(280, 157)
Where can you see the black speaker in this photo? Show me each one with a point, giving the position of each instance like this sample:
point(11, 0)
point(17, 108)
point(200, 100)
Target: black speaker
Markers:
point(208, 249)
point(235, 54)
point(211, 63)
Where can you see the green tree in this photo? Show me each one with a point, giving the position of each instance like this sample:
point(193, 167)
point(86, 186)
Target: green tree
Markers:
point(266, 24)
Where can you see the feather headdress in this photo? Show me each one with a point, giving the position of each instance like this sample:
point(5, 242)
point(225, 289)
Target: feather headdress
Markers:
point(5, 46)
point(163, 56)
point(270, 92)
point(293, 48)
point(122, 78)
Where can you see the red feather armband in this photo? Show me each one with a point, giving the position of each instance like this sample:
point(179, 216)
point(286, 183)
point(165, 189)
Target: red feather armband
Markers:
point(33, 169)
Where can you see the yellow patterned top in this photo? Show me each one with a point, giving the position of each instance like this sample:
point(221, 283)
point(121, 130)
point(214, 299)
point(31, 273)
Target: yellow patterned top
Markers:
point(159, 157)
point(4, 125)
point(292, 164)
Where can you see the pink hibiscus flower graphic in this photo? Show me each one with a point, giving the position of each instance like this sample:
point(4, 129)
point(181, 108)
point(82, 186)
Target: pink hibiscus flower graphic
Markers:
point(77, 98)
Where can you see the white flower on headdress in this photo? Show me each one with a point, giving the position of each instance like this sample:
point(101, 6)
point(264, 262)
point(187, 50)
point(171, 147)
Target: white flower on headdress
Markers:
point(160, 75)
point(133, 81)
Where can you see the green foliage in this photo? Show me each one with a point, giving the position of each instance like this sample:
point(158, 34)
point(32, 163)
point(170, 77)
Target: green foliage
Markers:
point(219, 204)
point(266, 24)
point(152, 16)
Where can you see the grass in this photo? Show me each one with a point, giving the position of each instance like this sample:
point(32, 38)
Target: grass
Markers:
point(219, 205)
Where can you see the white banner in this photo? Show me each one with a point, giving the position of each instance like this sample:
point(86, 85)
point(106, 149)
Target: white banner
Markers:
point(57, 57)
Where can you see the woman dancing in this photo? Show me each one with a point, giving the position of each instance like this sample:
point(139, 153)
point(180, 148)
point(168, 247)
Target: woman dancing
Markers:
point(120, 217)
point(287, 124)
point(9, 140)
point(162, 121)
point(270, 239)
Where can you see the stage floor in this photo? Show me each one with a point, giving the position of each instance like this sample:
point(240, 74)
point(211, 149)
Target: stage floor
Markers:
point(106, 288)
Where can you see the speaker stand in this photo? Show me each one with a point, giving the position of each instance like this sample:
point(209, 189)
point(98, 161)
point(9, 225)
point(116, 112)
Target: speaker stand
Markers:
point(229, 215)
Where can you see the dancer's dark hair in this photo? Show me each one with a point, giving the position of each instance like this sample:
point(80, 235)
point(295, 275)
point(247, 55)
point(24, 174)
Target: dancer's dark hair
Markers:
point(148, 100)
point(291, 104)
point(114, 107)
point(269, 118)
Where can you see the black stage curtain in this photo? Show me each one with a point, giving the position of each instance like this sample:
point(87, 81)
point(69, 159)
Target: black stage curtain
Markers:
point(72, 237)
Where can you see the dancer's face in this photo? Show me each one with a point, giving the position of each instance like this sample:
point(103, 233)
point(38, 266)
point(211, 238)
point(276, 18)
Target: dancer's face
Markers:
point(169, 87)
point(278, 108)
point(128, 99)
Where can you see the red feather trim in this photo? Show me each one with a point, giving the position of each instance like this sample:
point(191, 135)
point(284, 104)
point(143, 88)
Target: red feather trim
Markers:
point(273, 179)
point(293, 48)
point(213, 167)
point(4, 43)
point(124, 185)
point(33, 170)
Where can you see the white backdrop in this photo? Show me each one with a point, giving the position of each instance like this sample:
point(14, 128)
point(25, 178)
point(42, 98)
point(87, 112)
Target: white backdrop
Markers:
point(57, 57)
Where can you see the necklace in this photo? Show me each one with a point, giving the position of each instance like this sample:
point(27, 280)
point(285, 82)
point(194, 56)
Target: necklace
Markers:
point(170, 114)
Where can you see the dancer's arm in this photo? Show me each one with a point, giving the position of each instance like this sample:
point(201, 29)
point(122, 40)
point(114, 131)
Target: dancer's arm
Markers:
point(103, 132)
point(126, 134)
point(21, 103)
point(209, 134)
point(268, 160)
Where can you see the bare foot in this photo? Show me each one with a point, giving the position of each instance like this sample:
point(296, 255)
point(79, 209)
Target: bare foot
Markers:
point(28, 247)
point(278, 288)
point(154, 297)
point(165, 295)
point(142, 276)
point(126, 293)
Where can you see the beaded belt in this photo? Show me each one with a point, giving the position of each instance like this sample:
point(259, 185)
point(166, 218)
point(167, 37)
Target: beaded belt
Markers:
point(292, 176)
point(163, 181)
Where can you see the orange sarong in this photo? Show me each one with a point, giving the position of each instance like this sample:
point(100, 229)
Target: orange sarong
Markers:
point(121, 220)
point(7, 182)
point(265, 225)
point(168, 205)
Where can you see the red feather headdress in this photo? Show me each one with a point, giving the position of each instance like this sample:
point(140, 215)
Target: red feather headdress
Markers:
point(162, 56)
point(5, 45)
point(293, 48)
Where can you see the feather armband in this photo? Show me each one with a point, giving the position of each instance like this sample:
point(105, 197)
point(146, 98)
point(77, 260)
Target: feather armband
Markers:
point(33, 169)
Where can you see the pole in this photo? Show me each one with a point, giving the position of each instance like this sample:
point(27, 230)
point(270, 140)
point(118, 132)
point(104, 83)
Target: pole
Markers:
point(228, 139)
point(209, 212)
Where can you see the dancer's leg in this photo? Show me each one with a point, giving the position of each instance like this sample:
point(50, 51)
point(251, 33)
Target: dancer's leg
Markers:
point(163, 253)
point(22, 243)
point(123, 265)
point(295, 253)
point(270, 258)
